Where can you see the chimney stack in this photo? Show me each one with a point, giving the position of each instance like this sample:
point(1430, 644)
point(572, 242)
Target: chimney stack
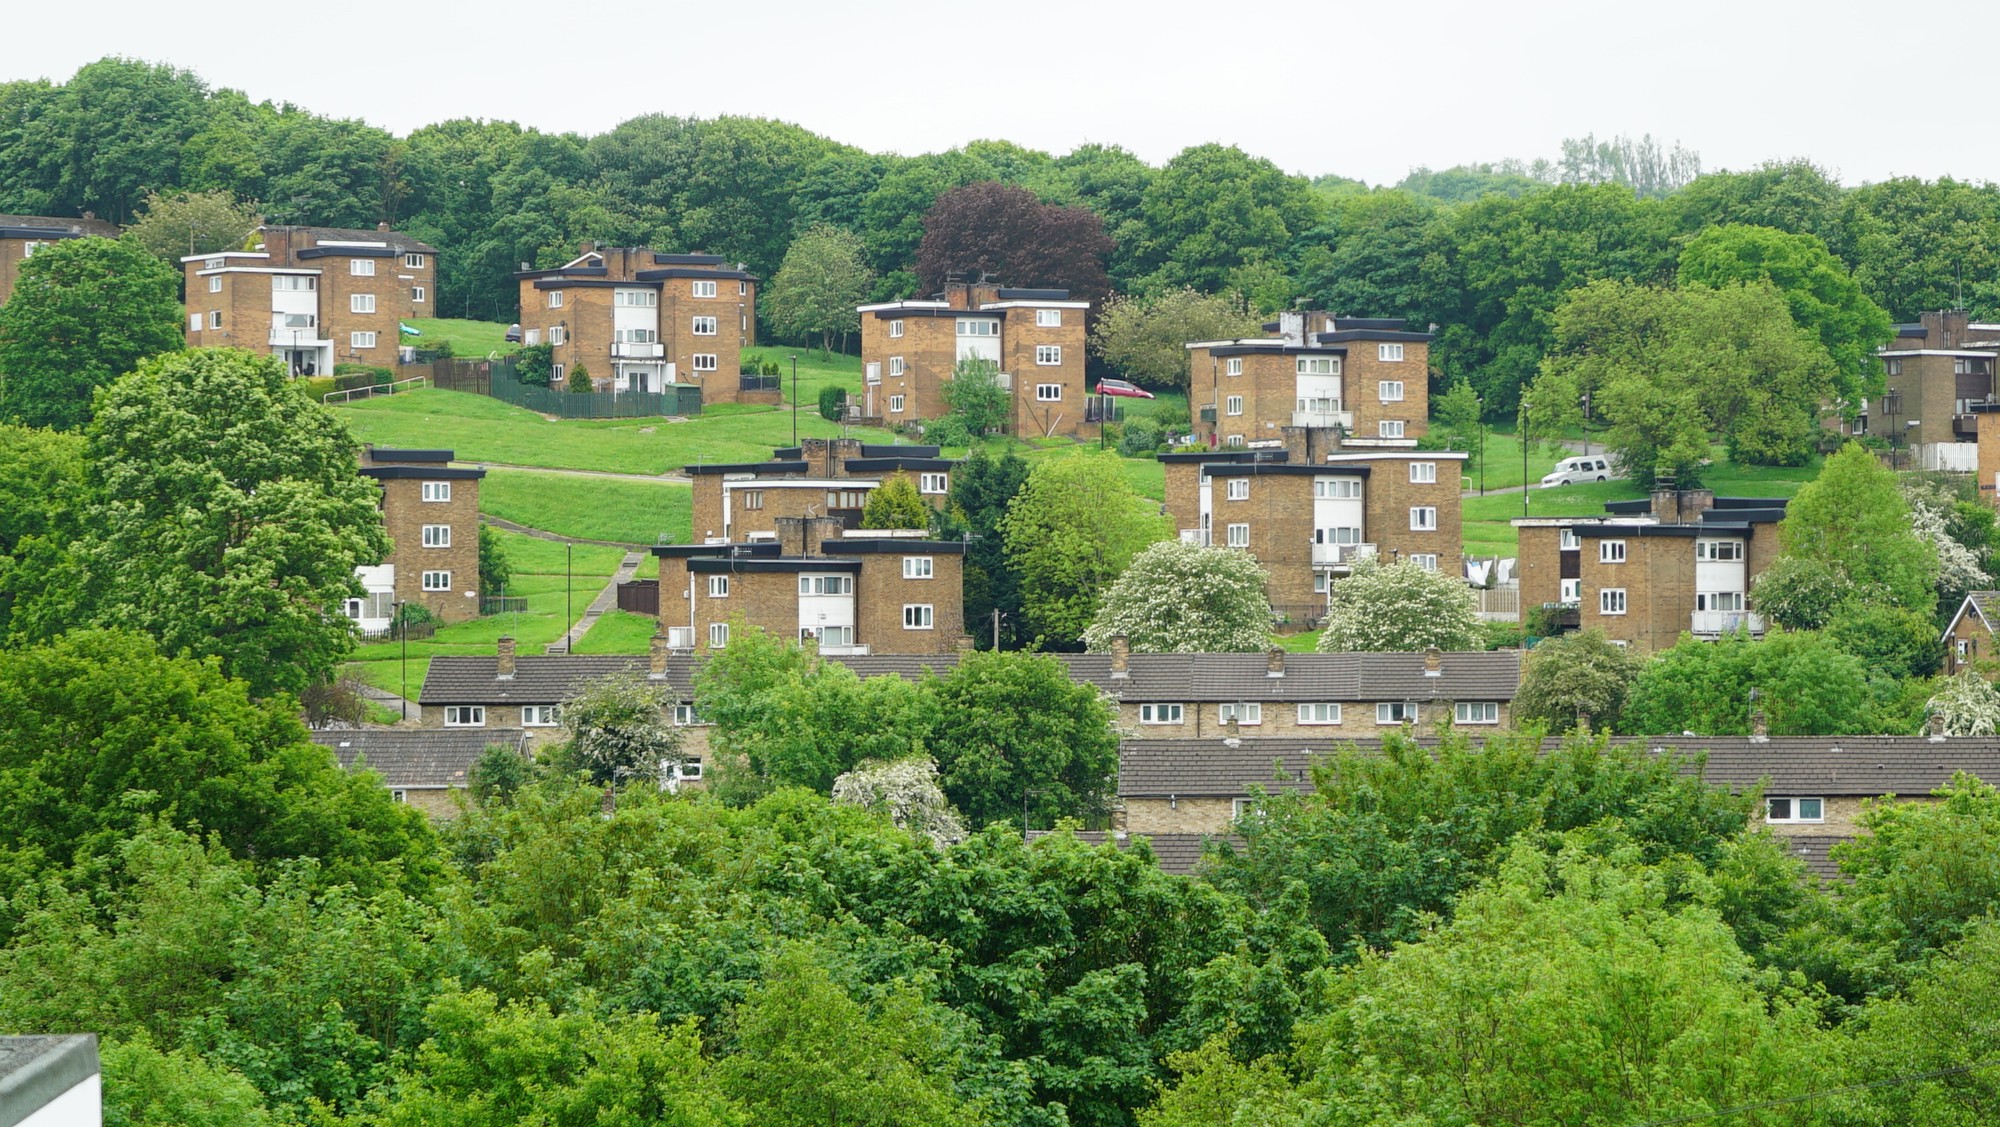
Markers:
point(1274, 662)
point(966, 642)
point(1433, 662)
point(1121, 656)
point(657, 658)
point(382, 227)
point(1232, 732)
point(505, 669)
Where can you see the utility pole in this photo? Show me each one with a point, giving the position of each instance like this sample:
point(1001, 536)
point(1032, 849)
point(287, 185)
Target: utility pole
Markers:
point(1525, 408)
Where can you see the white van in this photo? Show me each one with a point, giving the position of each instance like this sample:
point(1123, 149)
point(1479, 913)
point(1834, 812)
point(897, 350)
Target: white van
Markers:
point(1569, 471)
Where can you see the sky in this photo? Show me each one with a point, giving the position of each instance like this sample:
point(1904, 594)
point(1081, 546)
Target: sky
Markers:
point(1368, 91)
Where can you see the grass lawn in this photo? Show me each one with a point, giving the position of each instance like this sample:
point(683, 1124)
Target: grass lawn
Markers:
point(591, 508)
point(619, 632)
point(468, 339)
point(815, 372)
point(1503, 462)
point(479, 428)
point(1304, 643)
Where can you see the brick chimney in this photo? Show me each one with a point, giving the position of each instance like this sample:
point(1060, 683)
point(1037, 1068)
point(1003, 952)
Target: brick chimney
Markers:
point(1292, 328)
point(957, 291)
point(504, 669)
point(382, 227)
point(586, 246)
point(791, 532)
point(1683, 506)
point(1121, 656)
point(1433, 662)
point(1274, 662)
point(1232, 731)
point(657, 655)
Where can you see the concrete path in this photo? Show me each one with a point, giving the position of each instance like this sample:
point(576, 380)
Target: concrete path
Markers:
point(390, 700)
point(605, 600)
point(540, 534)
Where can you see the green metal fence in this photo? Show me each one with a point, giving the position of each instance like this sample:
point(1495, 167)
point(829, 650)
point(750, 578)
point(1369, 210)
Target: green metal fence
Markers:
point(498, 379)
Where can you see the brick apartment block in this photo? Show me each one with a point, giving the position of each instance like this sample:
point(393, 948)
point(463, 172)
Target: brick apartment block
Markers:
point(639, 320)
point(856, 592)
point(22, 235)
point(1366, 377)
point(312, 296)
point(909, 350)
point(1307, 509)
point(1650, 570)
point(431, 509)
point(825, 477)
point(1939, 371)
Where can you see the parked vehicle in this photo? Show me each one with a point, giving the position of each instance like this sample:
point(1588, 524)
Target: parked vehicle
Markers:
point(513, 334)
point(1569, 471)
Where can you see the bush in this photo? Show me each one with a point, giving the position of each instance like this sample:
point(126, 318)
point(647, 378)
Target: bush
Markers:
point(533, 364)
point(948, 431)
point(348, 377)
point(752, 364)
point(1139, 437)
point(443, 351)
point(770, 368)
point(832, 403)
point(316, 387)
point(1172, 420)
point(579, 380)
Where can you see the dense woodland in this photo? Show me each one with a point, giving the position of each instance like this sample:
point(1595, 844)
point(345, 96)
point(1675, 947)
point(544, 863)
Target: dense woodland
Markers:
point(1485, 252)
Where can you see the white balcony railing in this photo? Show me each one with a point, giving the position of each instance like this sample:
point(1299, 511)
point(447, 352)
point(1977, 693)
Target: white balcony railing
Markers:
point(1343, 419)
point(1719, 622)
point(680, 637)
point(1338, 554)
point(843, 651)
point(637, 350)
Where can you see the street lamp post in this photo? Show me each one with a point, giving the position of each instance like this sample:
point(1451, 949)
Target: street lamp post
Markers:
point(1525, 408)
point(403, 628)
point(795, 399)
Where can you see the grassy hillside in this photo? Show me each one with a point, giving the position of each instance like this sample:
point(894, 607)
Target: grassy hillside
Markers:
point(467, 338)
point(590, 508)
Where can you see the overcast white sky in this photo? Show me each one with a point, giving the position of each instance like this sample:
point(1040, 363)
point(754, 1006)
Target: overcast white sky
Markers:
point(1363, 90)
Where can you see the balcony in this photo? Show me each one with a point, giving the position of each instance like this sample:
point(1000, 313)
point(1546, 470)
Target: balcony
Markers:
point(1716, 623)
point(1341, 419)
point(843, 651)
point(637, 350)
point(748, 382)
point(1341, 555)
point(1965, 428)
point(1197, 536)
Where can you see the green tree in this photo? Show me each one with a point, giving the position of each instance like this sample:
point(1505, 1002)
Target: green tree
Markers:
point(1939, 1025)
point(1014, 736)
point(145, 1087)
point(1213, 210)
point(187, 223)
point(619, 728)
point(494, 570)
point(1145, 339)
point(1382, 608)
point(1572, 676)
point(41, 491)
point(578, 380)
point(907, 792)
point(1805, 686)
point(1822, 294)
point(1965, 705)
point(1923, 874)
point(83, 313)
point(1183, 598)
point(1071, 531)
point(1800, 593)
point(500, 772)
point(981, 490)
point(976, 397)
point(240, 495)
point(1853, 519)
point(824, 277)
point(1457, 419)
point(896, 504)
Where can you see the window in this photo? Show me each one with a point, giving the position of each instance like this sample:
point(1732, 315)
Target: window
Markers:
point(742, 288)
point(1239, 536)
point(541, 715)
point(558, 334)
point(1389, 428)
point(1611, 600)
point(361, 303)
point(1322, 582)
point(685, 716)
point(215, 321)
point(1571, 592)
point(846, 499)
point(361, 267)
point(1233, 405)
point(705, 362)
point(413, 261)
point(1239, 489)
point(532, 338)
point(1319, 365)
point(1160, 714)
point(1726, 601)
point(718, 632)
point(1048, 318)
point(293, 283)
point(1423, 518)
point(1795, 810)
point(636, 299)
point(399, 796)
point(1234, 366)
point(416, 295)
point(703, 289)
point(1712, 551)
point(895, 405)
point(194, 322)
point(1388, 352)
point(1423, 473)
point(1319, 714)
point(895, 328)
point(635, 336)
point(1233, 440)
point(752, 498)
point(437, 491)
point(1048, 355)
point(1963, 647)
point(978, 327)
point(826, 585)
point(718, 586)
point(28, 251)
point(437, 536)
point(1895, 367)
point(1337, 488)
point(437, 581)
point(933, 483)
point(1250, 712)
point(1476, 712)
point(704, 326)
point(1426, 560)
point(354, 340)
point(215, 284)
point(1396, 712)
point(916, 616)
point(555, 299)
point(1570, 541)
point(1337, 535)
point(917, 567)
point(1611, 551)
point(1048, 393)
point(1390, 391)
point(896, 366)
point(828, 636)
point(557, 372)
point(465, 716)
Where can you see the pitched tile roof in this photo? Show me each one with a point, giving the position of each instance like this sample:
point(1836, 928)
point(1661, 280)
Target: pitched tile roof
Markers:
point(72, 225)
point(538, 678)
point(1176, 853)
point(416, 758)
point(1816, 851)
point(1188, 678)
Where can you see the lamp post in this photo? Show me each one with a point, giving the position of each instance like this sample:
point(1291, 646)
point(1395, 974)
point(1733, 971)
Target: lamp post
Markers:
point(569, 579)
point(795, 399)
point(1525, 408)
point(403, 628)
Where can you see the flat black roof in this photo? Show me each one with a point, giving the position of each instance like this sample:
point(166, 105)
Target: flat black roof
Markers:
point(696, 551)
point(723, 565)
point(394, 454)
point(1034, 295)
point(1225, 454)
point(686, 259)
point(1243, 348)
point(690, 272)
point(1368, 334)
point(911, 463)
point(349, 252)
point(1274, 469)
point(890, 546)
point(771, 467)
point(427, 473)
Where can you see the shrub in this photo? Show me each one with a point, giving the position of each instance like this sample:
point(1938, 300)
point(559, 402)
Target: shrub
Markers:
point(832, 403)
point(948, 431)
point(579, 380)
point(770, 368)
point(533, 364)
point(347, 377)
point(1139, 437)
point(316, 388)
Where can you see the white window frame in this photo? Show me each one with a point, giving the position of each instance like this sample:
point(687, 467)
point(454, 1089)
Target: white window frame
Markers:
point(541, 715)
point(1241, 808)
point(215, 319)
point(703, 326)
point(1569, 591)
point(1247, 714)
point(1423, 473)
point(895, 329)
point(718, 635)
point(1612, 601)
point(558, 372)
point(1162, 714)
point(1567, 540)
point(705, 362)
point(1233, 405)
point(1048, 355)
point(1048, 318)
point(919, 616)
point(1233, 366)
point(437, 536)
point(1389, 391)
point(1793, 807)
point(686, 717)
point(558, 334)
point(1713, 551)
point(465, 716)
point(1426, 560)
point(1423, 518)
point(1233, 440)
point(896, 366)
point(702, 289)
point(436, 491)
point(214, 283)
point(933, 483)
point(1320, 713)
point(1611, 551)
point(361, 267)
point(417, 295)
point(1476, 712)
point(1318, 366)
point(1389, 428)
point(194, 322)
point(361, 303)
point(360, 340)
point(1385, 712)
point(1237, 536)
point(1238, 489)
point(413, 261)
point(919, 567)
point(1337, 488)
point(1389, 352)
point(718, 586)
point(895, 405)
point(1048, 393)
point(437, 581)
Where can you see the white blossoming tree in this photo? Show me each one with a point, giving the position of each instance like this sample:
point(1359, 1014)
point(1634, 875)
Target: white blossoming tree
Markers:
point(1965, 705)
point(1399, 607)
point(1959, 567)
point(907, 790)
point(618, 730)
point(1184, 598)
